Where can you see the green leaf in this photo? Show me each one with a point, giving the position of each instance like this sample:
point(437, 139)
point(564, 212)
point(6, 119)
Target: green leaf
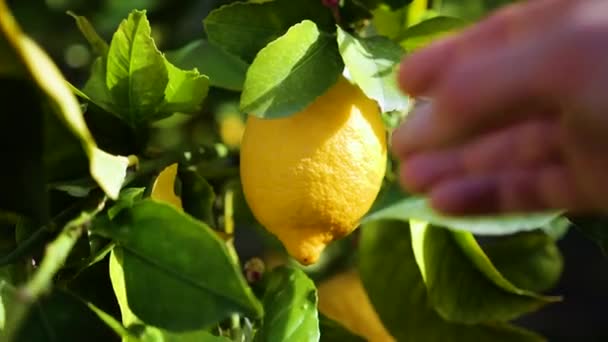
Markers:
point(469, 9)
point(594, 227)
point(463, 284)
point(197, 196)
point(290, 303)
point(136, 72)
point(309, 66)
point(389, 23)
point(108, 170)
point(125, 200)
point(244, 28)
point(147, 333)
point(96, 90)
point(169, 256)
point(117, 277)
point(100, 46)
point(421, 34)
point(185, 91)
point(393, 4)
point(113, 324)
point(332, 331)
point(60, 317)
point(371, 62)
point(152, 334)
point(529, 261)
point(416, 208)
point(396, 289)
point(223, 69)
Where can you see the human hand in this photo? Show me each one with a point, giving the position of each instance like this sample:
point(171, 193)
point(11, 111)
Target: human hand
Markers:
point(518, 112)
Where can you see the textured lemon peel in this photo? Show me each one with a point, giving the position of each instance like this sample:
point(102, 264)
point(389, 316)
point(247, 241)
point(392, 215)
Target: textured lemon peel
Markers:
point(310, 177)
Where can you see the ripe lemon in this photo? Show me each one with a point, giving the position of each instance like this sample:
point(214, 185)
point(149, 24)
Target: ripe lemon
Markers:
point(310, 177)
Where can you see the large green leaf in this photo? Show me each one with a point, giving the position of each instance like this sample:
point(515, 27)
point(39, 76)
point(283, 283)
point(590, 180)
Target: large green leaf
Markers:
point(244, 28)
point(169, 256)
point(135, 73)
point(529, 261)
point(463, 284)
point(290, 303)
point(147, 333)
point(292, 71)
point(421, 34)
point(396, 289)
point(417, 208)
point(223, 69)
point(371, 62)
point(109, 171)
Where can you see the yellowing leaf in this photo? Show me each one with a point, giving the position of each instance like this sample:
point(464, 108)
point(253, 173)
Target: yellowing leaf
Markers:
point(343, 299)
point(163, 188)
point(108, 170)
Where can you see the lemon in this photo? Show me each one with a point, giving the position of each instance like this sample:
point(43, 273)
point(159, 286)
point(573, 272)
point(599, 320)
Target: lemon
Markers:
point(343, 299)
point(164, 185)
point(310, 177)
point(231, 131)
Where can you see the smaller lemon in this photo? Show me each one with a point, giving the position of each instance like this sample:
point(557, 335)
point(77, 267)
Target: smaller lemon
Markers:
point(343, 299)
point(310, 177)
point(164, 185)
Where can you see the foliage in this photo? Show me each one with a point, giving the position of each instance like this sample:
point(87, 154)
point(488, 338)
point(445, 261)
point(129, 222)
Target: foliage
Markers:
point(86, 158)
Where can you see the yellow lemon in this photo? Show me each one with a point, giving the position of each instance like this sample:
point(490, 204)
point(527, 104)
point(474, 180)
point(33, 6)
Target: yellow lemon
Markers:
point(231, 131)
point(310, 177)
point(163, 187)
point(343, 299)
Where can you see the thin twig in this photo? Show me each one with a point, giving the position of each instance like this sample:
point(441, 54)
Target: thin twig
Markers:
point(55, 257)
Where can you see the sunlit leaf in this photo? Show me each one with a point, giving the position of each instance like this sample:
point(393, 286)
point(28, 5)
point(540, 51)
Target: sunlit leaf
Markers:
point(136, 74)
point(463, 284)
point(395, 287)
point(310, 64)
point(167, 255)
point(290, 303)
point(372, 62)
point(417, 208)
point(223, 69)
point(244, 28)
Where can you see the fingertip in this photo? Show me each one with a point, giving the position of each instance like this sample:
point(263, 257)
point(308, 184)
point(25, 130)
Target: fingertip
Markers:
point(418, 71)
point(465, 197)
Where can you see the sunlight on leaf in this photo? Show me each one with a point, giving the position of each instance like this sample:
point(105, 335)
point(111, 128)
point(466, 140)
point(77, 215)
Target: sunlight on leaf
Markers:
point(463, 284)
point(396, 288)
point(372, 64)
point(310, 64)
point(416, 208)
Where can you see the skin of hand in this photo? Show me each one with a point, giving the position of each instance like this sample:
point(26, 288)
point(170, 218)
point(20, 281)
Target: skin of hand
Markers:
point(516, 116)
